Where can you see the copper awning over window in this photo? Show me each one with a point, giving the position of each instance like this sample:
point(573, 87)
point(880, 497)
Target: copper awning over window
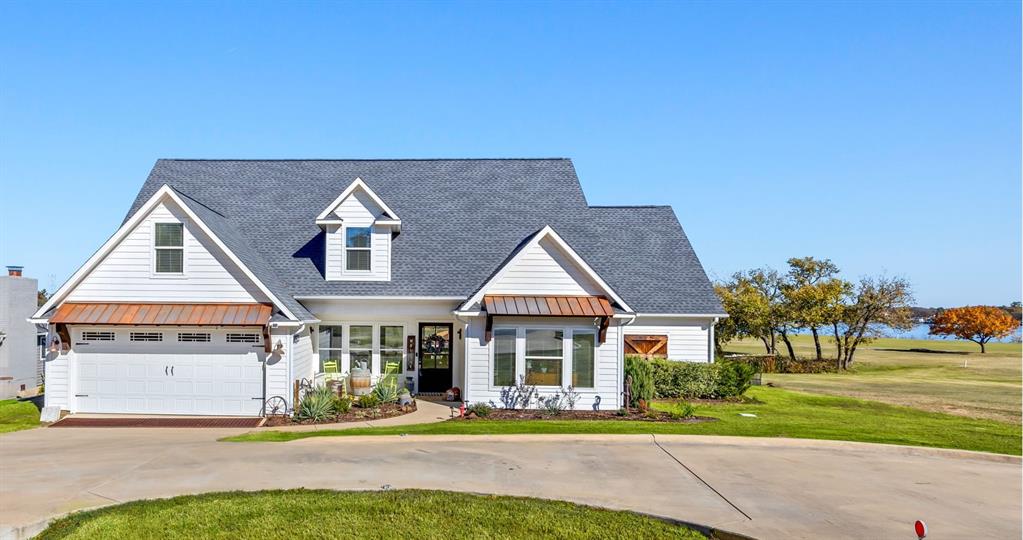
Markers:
point(547, 306)
point(163, 314)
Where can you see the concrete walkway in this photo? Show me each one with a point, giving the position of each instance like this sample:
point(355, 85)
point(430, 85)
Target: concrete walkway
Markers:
point(766, 488)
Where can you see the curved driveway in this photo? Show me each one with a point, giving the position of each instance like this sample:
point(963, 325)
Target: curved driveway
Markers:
point(767, 488)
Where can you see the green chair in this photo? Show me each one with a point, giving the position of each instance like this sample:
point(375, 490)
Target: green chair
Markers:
point(330, 366)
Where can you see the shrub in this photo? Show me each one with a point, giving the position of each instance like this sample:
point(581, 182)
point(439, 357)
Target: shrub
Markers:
point(553, 404)
point(342, 404)
point(681, 411)
point(734, 378)
point(518, 396)
point(317, 404)
point(386, 390)
point(369, 401)
point(684, 380)
point(642, 373)
point(622, 412)
point(480, 409)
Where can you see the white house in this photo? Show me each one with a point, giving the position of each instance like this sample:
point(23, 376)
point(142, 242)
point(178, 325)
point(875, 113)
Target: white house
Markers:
point(230, 280)
point(19, 353)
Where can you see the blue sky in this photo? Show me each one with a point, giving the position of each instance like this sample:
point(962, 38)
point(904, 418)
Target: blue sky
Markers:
point(885, 136)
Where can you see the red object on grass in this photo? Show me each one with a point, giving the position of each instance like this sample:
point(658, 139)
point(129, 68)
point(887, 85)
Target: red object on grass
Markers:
point(921, 529)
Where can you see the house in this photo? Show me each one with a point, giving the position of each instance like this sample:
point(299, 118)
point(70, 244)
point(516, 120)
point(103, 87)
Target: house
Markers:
point(19, 353)
point(231, 280)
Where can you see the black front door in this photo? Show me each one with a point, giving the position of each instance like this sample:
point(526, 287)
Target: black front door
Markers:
point(434, 357)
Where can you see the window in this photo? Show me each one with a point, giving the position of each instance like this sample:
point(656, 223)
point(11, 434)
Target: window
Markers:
point(98, 336)
point(544, 355)
point(330, 349)
point(357, 248)
point(504, 357)
point(243, 338)
point(193, 337)
point(583, 347)
point(145, 336)
point(360, 346)
point(392, 352)
point(170, 248)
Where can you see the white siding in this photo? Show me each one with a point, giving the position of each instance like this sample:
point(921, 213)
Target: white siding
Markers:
point(544, 269)
point(302, 357)
point(56, 367)
point(688, 339)
point(127, 273)
point(278, 371)
point(358, 210)
point(479, 358)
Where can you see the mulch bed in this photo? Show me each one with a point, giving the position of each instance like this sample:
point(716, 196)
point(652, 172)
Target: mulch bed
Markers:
point(633, 414)
point(355, 414)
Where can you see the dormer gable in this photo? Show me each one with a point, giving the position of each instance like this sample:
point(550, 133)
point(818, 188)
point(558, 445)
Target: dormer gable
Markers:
point(359, 227)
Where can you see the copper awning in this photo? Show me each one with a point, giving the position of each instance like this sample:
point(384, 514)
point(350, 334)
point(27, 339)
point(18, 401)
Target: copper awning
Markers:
point(163, 314)
point(547, 306)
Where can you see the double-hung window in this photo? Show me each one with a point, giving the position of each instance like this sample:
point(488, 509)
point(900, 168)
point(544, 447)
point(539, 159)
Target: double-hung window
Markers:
point(330, 345)
point(584, 345)
point(504, 357)
point(544, 355)
point(360, 346)
point(357, 248)
point(170, 248)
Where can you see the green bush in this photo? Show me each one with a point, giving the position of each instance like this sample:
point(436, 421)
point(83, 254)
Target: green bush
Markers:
point(684, 380)
point(681, 411)
point(317, 404)
point(386, 390)
point(481, 409)
point(734, 378)
point(642, 378)
point(369, 401)
point(342, 404)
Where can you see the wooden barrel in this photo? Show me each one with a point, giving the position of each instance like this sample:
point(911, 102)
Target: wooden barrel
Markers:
point(361, 384)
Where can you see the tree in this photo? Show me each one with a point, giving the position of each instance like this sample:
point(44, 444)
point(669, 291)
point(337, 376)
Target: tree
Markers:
point(979, 324)
point(41, 297)
point(877, 302)
point(814, 294)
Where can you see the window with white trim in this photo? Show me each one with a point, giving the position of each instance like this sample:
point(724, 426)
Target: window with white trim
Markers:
point(145, 336)
point(584, 349)
point(169, 247)
point(545, 353)
point(243, 338)
point(91, 335)
point(546, 356)
point(330, 346)
point(193, 337)
point(392, 352)
point(504, 357)
point(360, 346)
point(357, 248)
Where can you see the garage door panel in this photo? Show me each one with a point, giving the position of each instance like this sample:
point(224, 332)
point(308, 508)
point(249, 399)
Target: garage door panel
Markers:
point(203, 382)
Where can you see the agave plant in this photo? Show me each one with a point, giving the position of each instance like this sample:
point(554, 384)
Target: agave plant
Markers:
point(316, 405)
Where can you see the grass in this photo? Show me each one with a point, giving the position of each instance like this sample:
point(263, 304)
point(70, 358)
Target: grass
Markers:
point(17, 415)
point(380, 514)
point(924, 374)
point(780, 413)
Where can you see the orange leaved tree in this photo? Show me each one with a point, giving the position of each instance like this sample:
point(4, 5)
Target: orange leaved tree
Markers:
point(978, 324)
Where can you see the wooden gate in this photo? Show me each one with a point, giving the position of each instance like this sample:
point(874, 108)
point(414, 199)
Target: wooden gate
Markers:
point(647, 346)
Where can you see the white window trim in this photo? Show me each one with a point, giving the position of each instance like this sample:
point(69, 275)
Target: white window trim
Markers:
point(345, 363)
point(567, 359)
point(344, 253)
point(183, 248)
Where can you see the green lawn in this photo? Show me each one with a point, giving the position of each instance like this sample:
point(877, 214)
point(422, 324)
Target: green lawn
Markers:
point(925, 374)
point(415, 514)
point(17, 415)
point(781, 413)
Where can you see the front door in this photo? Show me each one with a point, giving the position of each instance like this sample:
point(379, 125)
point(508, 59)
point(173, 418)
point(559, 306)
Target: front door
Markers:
point(434, 357)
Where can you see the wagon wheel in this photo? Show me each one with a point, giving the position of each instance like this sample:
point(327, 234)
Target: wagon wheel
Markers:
point(275, 406)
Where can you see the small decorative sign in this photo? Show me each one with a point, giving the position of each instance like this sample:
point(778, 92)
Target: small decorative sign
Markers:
point(410, 344)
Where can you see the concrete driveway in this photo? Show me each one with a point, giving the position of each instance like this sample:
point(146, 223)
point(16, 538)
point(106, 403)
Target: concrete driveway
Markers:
point(767, 488)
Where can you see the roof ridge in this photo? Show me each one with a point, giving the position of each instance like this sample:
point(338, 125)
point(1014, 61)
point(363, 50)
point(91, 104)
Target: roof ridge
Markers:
point(197, 201)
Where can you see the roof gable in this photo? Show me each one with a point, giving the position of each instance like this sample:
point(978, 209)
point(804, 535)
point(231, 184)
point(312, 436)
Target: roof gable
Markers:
point(367, 199)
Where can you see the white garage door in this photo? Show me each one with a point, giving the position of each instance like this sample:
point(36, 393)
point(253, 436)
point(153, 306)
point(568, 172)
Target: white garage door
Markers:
point(186, 371)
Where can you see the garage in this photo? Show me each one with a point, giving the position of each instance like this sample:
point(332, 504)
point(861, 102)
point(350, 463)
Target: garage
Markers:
point(167, 369)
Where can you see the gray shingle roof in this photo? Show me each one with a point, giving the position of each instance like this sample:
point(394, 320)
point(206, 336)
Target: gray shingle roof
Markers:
point(461, 218)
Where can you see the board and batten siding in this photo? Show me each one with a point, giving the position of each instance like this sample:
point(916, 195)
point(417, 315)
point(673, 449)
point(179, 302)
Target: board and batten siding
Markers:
point(57, 388)
point(688, 339)
point(544, 269)
point(303, 360)
point(278, 370)
point(127, 273)
point(358, 210)
point(480, 357)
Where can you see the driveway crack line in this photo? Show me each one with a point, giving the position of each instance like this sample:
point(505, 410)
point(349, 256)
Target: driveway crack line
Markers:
point(704, 482)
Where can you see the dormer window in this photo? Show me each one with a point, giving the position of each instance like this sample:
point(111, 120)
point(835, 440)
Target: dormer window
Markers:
point(170, 248)
point(357, 248)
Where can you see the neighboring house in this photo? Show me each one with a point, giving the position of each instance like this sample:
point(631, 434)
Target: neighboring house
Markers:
point(19, 352)
point(230, 280)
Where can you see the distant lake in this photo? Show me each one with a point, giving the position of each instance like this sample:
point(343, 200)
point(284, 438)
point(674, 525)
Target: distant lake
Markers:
point(919, 331)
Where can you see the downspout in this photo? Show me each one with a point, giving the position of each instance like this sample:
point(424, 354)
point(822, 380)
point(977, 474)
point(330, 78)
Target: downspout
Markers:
point(710, 346)
point(291, 363)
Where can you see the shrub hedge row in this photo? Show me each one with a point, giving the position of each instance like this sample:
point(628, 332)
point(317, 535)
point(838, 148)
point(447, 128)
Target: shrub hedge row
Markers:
point(688, 380)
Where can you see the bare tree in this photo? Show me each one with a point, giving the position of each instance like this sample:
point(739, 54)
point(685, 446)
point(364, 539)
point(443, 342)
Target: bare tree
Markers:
point(877, 302)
